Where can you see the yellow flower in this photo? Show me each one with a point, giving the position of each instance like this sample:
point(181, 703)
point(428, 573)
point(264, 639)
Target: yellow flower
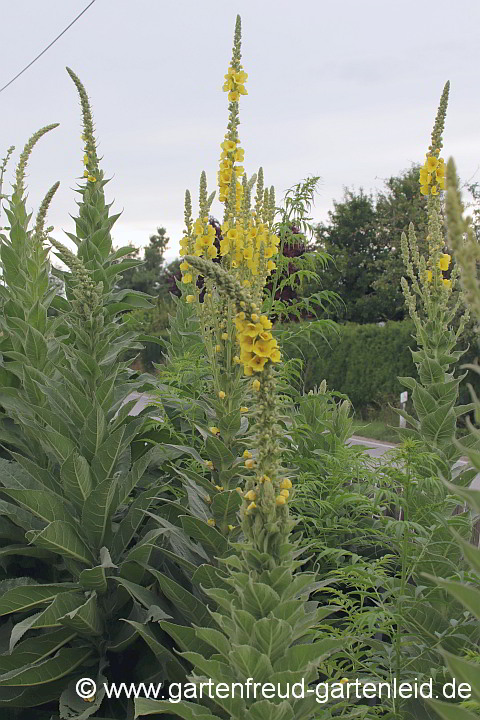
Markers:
point(257, 363)
point(284, 493)
point(219, 488)
point(209, 464)
point(265, 322)
point(236, 359)
point(424, 189)
point(247, 454)
point(211, 522)
point(252, 506)
point(218, 348)
point(91, 178)
point(214, 430)
point(243, 409)
point(190, 298)
point(280, 500)
point(231, 527)
point(440, 170)
point(441, 183)
point(85, 159)
point(444, 262)
point(187, 278)
point(221, 395)
point(224, 336)
point(251, 495)
point(429, 276)
point(249, 464)
point(275, 355)
point(447, 283)
point(85, 173)
point(271, 265)
point(431, 163)
point(425, 177)
point(286, 483)
point(256, 385)
point(184, 266)
point(434, 190)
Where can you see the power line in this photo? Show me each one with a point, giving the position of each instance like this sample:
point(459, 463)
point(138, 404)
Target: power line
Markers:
point(47, 48)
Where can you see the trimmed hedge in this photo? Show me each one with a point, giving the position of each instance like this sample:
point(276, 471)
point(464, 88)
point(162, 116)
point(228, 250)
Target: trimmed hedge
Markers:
point(364, 361)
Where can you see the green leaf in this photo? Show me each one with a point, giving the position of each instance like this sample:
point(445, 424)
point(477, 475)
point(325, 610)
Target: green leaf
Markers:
point(35, 649)
point(93, 432)
point(76, 478)
point(44, 504)
point(259, 599)
point(132, 520)
point(266, 710)
point(144, 596)
point(303, 657)
point(272, 637)
point(465, 671)
point(95, 578)
point(215, 638)
point(170, 664)
point(48, 670)
point(247, 662)
point(97, 511)
point(447, 711)
point(208, 536)
point(182, 600)
point(25, 597)
point(48, 618)
point(470, 552)
point(466, 594)
point(61, 537)
point(225, 506)
point(186, 638)
point(439, 425)
point(106, 457)
point(185, 709)
point(85, 619)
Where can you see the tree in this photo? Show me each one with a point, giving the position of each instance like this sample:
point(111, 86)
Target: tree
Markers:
point(147, 277)
point(363, 237)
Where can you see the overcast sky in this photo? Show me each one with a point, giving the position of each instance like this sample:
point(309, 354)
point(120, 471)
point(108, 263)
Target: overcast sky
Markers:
point(346, 90)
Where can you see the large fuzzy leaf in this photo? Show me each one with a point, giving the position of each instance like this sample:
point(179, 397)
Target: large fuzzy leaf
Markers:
point(62, 537)
point(48, 670)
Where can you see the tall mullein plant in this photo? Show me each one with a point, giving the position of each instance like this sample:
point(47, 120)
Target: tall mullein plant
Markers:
point(264, 619)
point(465, 249)
point(245, 247)
point(26, 295)
point(433, 305)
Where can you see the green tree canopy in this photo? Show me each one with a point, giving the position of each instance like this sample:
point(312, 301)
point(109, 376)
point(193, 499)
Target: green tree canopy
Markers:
point(363, 237)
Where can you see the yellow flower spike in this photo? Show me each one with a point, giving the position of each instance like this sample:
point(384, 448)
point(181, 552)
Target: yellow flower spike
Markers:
point(187, 278)
point(249, 464)
point(222, 395)
point(250, 495)
point(247, 454)
point(286, 483)
point(280, 500)
point(211, 522)
point(190, 298)
point(214, 430)
point(243, 409)
point(256, 385)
